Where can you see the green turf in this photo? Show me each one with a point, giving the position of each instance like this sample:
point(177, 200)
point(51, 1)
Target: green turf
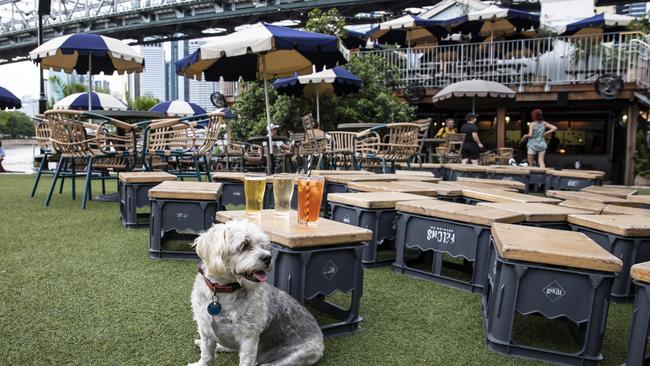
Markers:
point(78, 289)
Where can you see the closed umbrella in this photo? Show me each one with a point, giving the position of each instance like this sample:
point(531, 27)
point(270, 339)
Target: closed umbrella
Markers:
point(178, 108)
point(89, 54)
point(99, 102)
point(8, 99)
point(336, 80)
point(260, 52)
point(473, 89)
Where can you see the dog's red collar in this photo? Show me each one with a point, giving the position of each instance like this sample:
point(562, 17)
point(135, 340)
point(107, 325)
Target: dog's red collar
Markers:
point(217, 287)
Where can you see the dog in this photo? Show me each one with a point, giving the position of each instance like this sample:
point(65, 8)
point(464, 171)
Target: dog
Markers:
point(264, 324)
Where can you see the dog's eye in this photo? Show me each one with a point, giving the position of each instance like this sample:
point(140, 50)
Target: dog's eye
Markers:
point(245, 245)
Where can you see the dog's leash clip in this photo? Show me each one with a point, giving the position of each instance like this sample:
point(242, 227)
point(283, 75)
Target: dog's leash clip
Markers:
point(214, 308)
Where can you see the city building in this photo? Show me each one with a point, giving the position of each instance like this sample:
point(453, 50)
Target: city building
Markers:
point(176, 87)
point(151, 82)
point(200, 90)
point(633, 9)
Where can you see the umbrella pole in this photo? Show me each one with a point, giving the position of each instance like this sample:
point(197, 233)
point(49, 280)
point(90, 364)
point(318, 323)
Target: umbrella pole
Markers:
point(268, 116)
point(474, 104)
point(317, 105)
point(90, 81)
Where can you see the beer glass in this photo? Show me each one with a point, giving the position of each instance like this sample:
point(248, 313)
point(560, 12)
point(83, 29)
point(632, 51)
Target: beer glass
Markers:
point(254, 187)
point(310, 194)
point(282, 194)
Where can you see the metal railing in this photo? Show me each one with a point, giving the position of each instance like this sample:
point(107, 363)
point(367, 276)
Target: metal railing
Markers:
point(540, 61)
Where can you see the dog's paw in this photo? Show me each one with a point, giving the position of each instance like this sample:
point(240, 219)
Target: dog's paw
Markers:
point(197, 342)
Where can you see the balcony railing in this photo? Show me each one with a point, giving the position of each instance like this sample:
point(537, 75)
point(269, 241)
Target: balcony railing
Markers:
point(517, 63)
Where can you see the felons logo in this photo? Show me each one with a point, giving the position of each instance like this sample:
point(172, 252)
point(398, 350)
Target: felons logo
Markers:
point(554, 291)
point(236, 194)
point(182, 215)
point(346, 219)
point(572, 183)
point(330, 269)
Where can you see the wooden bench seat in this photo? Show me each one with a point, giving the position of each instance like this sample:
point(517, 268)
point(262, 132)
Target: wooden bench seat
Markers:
point(420, 188)
point(372, 200)
point(287, 232)
point(586, 196)
point(144, 177)
point(538, 212)
point(347, 178)
point(622, 225)
point(641, 272)
point(585, 174)
point(479, 215)
point(419, 173)
point(199, 191)
point(495, 182)
point(552, 247)
point(228, 176)
point(610, 191)
point(510, 170)
point(494, 195)
point(468, 168)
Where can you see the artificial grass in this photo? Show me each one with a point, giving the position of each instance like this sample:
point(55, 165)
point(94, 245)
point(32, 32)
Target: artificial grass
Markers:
point(76, 288)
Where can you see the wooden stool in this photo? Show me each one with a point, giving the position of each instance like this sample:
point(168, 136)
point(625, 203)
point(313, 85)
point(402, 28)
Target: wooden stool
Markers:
point(337, 183)
point(586, 196)
point(466, 170)
point(313, 262)
point(133, 192)
point(183, 210)
point(537, 178)
point(618, 192)
point(540, 214)
point(625, 236)
point(510, 173)
point(640, 324)
point(573, 180)
point(447, 229)
point(474, 196)
point(374, 211)
point(552, 273)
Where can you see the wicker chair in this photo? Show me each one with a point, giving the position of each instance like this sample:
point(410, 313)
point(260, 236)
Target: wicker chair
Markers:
point(450, 150)
point(341, 149)
point(313, 146)
point(44, 142)
point(113, 145)
point(191, 139)
point(422, 135)
point(399, 144)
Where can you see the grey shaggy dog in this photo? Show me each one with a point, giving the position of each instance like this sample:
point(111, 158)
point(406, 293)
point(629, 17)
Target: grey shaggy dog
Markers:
point(264, 324)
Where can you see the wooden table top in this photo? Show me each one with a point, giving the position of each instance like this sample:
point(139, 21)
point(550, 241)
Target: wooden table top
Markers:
point(372, 200)
point(347, 178)
point(476, 185)
point(592, 206)
point(287, 232)
point(420, 188)
point(422, 173)
point(538, 212)
point(640, 200)
point(586, 196)
point(479, 215)
point(623, 210)
point(586, 174)
point(495, 195)
point(468, 167)
point(622, 225)
point(421, 165)
point(201, 191)
point(228, 176)
point(610, 191)
point(507, 169)
point(340, 172)
point(408, 177)
point(641, 272)
point(554, 247)
point(145, 177)
point(496, 182)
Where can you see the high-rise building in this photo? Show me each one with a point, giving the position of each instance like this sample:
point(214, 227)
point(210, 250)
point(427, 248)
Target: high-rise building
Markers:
point(200, 90)
point(633, 9)
point(151, 82)
point(176, 86)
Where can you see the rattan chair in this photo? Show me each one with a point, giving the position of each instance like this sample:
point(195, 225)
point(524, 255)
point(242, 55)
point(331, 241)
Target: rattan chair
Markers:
point(398, 145)
point(450, 150)
point(43, 141)
point(341, 149)
point(313, 147)
point(112, 145)
point(422, 135)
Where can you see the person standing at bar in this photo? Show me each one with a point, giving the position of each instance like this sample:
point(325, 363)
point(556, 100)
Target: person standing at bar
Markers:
point(447, 129)
point(537, 145)
point(472, 145)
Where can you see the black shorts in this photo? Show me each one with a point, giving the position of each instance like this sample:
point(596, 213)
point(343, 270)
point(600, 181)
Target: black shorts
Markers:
point(470, 151)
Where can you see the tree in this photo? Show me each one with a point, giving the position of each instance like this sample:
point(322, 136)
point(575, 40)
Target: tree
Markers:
point(15, 124)
point(72, 88)
point(642, 156)
point(143, 103)
point(328, 22)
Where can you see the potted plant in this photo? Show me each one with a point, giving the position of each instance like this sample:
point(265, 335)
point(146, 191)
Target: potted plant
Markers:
point(642, 161)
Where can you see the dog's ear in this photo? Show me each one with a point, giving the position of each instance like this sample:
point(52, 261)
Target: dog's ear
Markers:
point(204, 243)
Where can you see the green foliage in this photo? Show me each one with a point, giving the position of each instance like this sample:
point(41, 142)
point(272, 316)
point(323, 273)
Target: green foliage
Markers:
point(642, 156)
point(72, 88)
point(640, 24)
point(15, 124)
point(375, 102)
point(143, 103)
point(328, 22)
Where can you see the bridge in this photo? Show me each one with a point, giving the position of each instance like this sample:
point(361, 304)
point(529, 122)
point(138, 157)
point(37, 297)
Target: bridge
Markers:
point(152, 21)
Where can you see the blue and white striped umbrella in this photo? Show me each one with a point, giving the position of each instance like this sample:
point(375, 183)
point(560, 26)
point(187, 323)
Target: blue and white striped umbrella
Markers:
point(178, 108)
point(8, 99)
point(496, 22)
point(598, 24)
point(88, 53)
point(100, 102)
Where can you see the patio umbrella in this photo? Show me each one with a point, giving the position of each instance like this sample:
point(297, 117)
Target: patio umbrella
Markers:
point(474, 88)
point(336, 80)
point(496, 22)
point(410, 30)
point(598, 24)
point(260, 52)
point(178, 108)
point(356, 36)
point(8, 99)
point(88, 53)
point(100, 102)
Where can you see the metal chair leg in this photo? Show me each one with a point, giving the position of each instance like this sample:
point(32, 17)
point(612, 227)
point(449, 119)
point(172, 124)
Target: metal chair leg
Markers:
point(65, 172)
point(38, 174)
point(383, 166)
point(208, 173)
point(87, 190)
point(54, 179)
point(74, 179)
point(103, 182)
point(198, 169)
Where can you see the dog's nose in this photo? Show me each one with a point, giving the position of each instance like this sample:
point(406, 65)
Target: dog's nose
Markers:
point(266, 259)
